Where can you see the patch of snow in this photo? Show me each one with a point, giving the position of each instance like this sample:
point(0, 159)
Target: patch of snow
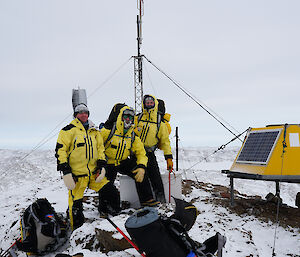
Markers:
point(23, 180)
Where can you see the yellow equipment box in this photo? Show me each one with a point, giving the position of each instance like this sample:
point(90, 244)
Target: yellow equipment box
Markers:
point(269, 153)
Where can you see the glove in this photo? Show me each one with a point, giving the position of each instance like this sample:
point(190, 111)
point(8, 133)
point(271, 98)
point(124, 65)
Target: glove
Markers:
point(169, 164)
point(140, 173)
point(99, 175)
point(64, 167)
point(100, 164)
point(69, 181)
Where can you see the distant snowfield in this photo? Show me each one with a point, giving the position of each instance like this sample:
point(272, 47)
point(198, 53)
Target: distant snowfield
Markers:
point(25, 180)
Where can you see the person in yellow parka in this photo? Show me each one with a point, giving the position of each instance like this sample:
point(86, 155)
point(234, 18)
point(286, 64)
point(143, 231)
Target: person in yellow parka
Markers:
point(125, 152)
point(80, 157)
point(154, 134)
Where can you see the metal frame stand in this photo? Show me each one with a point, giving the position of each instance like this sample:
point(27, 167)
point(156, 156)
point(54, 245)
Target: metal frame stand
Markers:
point(138, 83)
point(276, 179)
point(138, 62)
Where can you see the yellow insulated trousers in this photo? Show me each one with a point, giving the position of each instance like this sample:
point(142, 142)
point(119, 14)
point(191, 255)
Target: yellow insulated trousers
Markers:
point(76, 196)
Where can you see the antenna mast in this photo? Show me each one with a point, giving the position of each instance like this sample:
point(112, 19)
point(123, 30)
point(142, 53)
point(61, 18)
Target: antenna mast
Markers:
point(138, 61)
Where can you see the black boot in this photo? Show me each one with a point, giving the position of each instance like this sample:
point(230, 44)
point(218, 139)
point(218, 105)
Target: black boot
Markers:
point(77, 213)
point(109, 200)
point(160, 196)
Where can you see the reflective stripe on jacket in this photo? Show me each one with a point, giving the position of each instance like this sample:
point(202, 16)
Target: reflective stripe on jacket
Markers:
point(147, 131)
point(80, 148)
point(120, 145)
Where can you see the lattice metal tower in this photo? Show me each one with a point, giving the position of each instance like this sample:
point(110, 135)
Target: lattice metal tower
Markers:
point(138, 61)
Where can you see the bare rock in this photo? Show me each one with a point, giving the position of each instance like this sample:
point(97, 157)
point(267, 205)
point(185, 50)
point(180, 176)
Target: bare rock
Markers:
point(109, 243)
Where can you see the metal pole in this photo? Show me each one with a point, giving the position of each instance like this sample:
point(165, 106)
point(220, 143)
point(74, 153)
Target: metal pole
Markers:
point(138, 62)
point(170, 186)
point(231, 192)
point(176, 135)
point(277, 189)
point(138, 84)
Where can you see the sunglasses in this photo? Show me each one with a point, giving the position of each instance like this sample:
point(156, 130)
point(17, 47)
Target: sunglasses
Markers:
point(149, 103)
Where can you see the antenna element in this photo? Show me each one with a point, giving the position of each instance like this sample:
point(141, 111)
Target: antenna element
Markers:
point(138, 61)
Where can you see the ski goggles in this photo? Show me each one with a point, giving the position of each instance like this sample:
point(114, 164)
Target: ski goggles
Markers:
point(128, 114)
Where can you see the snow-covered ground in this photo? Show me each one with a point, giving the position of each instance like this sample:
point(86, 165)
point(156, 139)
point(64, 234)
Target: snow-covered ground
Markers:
point(25, 180)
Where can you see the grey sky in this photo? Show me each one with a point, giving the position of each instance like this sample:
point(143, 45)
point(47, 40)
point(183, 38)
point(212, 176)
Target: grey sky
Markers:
point(241, 58)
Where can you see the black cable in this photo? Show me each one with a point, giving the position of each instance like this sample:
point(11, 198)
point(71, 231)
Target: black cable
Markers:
point(109, 77)
point(150, 80)
point(189, 95)
point(47, 138)
point(220, 148)
point(284, 145)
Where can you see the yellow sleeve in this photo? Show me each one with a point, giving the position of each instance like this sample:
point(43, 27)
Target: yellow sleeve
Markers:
point(139, 151)
point(164, 141)
point(104, 134)
point(137, 128)
point(100, 146)
point(63, 146)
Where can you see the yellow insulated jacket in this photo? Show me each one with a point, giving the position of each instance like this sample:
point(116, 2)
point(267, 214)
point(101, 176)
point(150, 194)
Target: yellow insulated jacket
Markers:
point(151, 136)
point(80, 148)
point(120, 145)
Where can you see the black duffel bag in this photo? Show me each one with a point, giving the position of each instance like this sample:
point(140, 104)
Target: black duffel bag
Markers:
point(148, 231)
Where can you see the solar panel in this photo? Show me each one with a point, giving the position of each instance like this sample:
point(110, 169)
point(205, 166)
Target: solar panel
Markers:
point(259, 146)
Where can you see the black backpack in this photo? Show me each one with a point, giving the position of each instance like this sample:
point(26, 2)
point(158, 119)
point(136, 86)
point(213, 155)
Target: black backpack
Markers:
point(161, 108)
point(42, 229)
point(112, 118)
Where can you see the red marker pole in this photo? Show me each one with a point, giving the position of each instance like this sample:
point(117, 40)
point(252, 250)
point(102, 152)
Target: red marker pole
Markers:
point(123, 234)
point(7, 252)
point(170, 186)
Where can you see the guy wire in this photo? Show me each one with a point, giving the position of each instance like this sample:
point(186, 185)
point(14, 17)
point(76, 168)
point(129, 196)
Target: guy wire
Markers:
point(220, 148)
point(278, 200)
point(47, 138)
point(193, 98)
